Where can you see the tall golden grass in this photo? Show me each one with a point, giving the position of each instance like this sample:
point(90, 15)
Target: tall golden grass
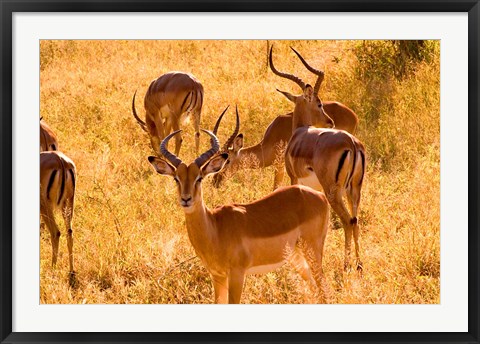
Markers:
point(130, 241)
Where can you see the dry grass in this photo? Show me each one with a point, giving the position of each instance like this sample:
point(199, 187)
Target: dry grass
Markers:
point(130, 238)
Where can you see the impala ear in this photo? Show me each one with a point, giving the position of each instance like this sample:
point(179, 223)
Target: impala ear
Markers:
point(238, 143)
point(161, 166)
point(289, 96)
point(308, 93)
point(215, 164)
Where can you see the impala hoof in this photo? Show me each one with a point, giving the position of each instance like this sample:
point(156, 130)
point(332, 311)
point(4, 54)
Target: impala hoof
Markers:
point(72, 279)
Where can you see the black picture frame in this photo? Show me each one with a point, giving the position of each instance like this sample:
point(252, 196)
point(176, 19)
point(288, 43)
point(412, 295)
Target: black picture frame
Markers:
point(8, 7)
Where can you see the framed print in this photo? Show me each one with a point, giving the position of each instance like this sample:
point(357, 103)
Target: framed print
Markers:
point(172, 143)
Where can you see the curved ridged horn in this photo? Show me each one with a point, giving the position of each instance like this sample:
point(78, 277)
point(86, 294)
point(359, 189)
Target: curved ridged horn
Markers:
point(169, 156)
point(202, 159)
point(142, 123)
point(219, 120)
point(235, 132)
point(295, 79)
point(320, 73)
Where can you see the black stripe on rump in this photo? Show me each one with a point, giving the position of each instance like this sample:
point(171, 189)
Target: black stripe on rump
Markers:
point(185, 100)
point(363, 167)
point(62, 188)
point(194, 101)
point(340, 164)
point(73, 178)
point(349, 181)
point(50, 183)
point(201, 98)
point(62, 185)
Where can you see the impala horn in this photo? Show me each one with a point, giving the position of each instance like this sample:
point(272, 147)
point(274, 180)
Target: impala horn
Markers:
point(313, 70)
point(295, 79)
point(219, 120)
point(170, 156)
point(235, 132)
point(202, 159)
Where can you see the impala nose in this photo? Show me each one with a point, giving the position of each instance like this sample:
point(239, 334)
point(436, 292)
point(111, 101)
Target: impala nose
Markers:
point(328, 121)
point(186, 201)
point(217, 179)
point(331, 123)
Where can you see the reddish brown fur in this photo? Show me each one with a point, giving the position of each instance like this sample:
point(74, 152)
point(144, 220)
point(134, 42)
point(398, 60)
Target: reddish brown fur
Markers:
point(48, 139)
point(262, 222)
point(318, 152)
point(232, 240)
point(169, 99)
point(327, 161)
point(57, 191)
point(278, 133)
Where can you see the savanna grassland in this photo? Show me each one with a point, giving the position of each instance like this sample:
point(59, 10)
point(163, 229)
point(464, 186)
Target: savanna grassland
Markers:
point(130, 239)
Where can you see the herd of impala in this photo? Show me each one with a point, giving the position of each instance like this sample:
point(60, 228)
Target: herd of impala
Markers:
point(323, 159)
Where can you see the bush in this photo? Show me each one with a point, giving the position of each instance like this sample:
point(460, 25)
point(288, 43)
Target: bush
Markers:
point(382, 59)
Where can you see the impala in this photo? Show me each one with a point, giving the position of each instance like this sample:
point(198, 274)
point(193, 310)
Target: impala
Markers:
point(269, 151)
point(170, 99)
point(328, 159)
point(239, 239)
point(48, 139)
point(57, 192)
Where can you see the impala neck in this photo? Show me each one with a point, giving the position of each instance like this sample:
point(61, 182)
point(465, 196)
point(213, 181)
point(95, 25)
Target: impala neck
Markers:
point(257, 151)
point(200, 226)
point(300, 119)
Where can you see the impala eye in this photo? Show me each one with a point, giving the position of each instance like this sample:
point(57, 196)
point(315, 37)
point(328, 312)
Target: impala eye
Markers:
point(176, 180)
point(199, 180)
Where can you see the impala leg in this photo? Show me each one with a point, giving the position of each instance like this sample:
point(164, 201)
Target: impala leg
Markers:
point(49, 220)
point(235, 285)
point(348, 244)
point(293, 180)
point(67, 216)
point(355, 196)
point(155, 129)
point(220, 285)
point(310, 268)
point(167, 128)
point(354, 200)
point(168, 125)
point(217, 179)
point(336, 201)
point(356, 234)
point(301, 266)
point(178, 138)
point(196, 126)
point(55, 237)
point(313, 251)
point(278, 178)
